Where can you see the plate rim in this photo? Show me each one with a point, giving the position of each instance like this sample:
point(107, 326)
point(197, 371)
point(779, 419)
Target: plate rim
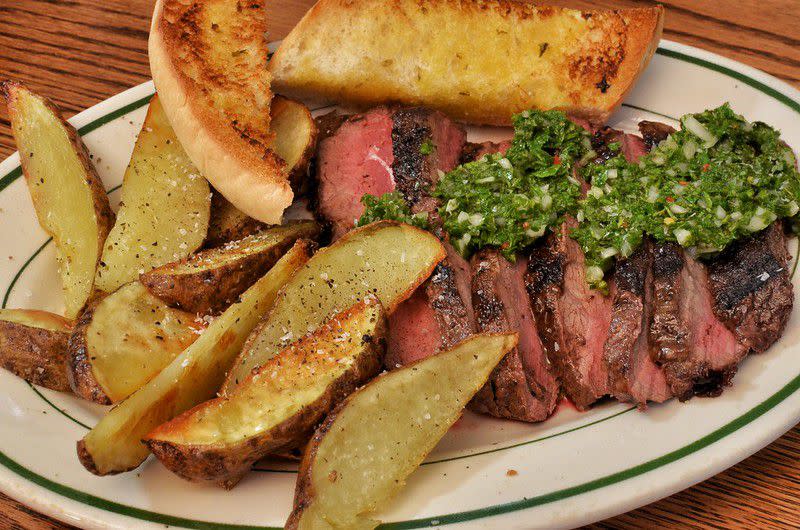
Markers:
point(34, 489)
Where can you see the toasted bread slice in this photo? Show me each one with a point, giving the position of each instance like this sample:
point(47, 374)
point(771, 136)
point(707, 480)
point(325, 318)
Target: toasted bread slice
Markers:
point(208, 60)
point(478, 61)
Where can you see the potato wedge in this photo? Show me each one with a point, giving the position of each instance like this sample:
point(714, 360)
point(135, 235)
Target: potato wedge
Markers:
point(211, 280)
point(295, 138)
point(387, 259)
point(123, 340)
point(479, 62)
point(68, 196)
point(277, 408)
point(114, 444)
point(164, 212)
point(228, 223)
point(360, 457)
point(33, 345)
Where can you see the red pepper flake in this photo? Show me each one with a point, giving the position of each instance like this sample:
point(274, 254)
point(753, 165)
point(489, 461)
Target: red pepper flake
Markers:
point(706, 167)
point(683, 183)
point(670, 199)
point(556, 160)
point(526, 225)
point(505, 245)
point(512, 473)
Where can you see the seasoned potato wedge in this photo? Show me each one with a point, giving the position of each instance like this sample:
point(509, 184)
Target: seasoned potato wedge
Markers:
point(68, 196)
point(163, 215)
point(114, 444)
point(124, 339)
point(295, 137)
point(228, 223)
point(209, 281)
point(360, 457)
point(387, 259)
point(277, 408)
point(33, 345)
point(479, 62)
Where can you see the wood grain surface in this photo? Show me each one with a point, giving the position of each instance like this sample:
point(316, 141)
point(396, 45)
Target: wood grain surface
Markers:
point(80, 52)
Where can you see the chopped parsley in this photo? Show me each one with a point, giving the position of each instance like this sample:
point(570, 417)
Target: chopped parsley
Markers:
point(390, 206)
point(714, 181)
point(427, 147)
point(508, 201)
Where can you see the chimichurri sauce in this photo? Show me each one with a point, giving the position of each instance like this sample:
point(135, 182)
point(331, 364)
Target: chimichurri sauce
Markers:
point(719, 178)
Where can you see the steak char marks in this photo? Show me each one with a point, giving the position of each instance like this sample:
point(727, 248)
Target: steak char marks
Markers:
point(522, 386)
point(698, 353)
point(632, 374)
point(573, 320)
point(751, 288)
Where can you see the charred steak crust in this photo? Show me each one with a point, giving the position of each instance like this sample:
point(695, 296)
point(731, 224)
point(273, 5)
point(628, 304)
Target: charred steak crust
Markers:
point(752, 290)
point(412, 172)
point(627, 316)
point(654, 132)
point(452, 313)
point(698, 353)
point(514, 390)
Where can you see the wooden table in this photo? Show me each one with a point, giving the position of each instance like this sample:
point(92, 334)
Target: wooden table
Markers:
point(80, 52)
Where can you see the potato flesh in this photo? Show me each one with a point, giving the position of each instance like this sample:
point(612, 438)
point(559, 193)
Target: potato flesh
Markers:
point(294, 129)
point(386, 259)
point(133, 336)
point(114, 444)
point(387, 428)
point(165, 206)
point(61, 195)
point(36, 319)
point(295, 378)
point(236, 250)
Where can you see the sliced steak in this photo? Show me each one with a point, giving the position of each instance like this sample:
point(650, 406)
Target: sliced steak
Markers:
point(573, 320)
point(356, 160)
point(654, 132)
point(632, 146)
point(522, 387)
point(752, 290)
point(475, 151)
point(439, 314)
point(698, 353)
point(424, 142)
point(383, 150)
point(632, 374)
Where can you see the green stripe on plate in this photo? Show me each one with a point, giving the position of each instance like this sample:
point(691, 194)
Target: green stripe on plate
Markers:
point(489, 511)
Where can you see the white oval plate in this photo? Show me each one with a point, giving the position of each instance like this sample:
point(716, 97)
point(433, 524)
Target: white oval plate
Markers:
point(573, 469)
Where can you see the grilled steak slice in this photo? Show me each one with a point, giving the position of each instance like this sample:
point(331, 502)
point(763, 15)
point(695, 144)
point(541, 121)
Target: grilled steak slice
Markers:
point(439, 314)
point(751, 288)
point(329, 123)
point(698, 353)
point(475, 151)
point(632, 374)
point(424, 142)
point(383, 150)
point(522, 386)
point(573, 320)
point(356, 160)
point(654, 132)
point(631, 145)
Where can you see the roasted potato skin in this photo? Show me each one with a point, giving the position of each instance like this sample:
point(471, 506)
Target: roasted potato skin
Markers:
point(37, 355)
point(284, 114)
point(81, 378)
point(211, 290)
point(228, 223)
point(226, 465)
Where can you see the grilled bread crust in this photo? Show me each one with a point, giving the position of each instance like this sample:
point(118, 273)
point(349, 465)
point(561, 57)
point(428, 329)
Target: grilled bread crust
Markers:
point(208, 60)
point(479, 61)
